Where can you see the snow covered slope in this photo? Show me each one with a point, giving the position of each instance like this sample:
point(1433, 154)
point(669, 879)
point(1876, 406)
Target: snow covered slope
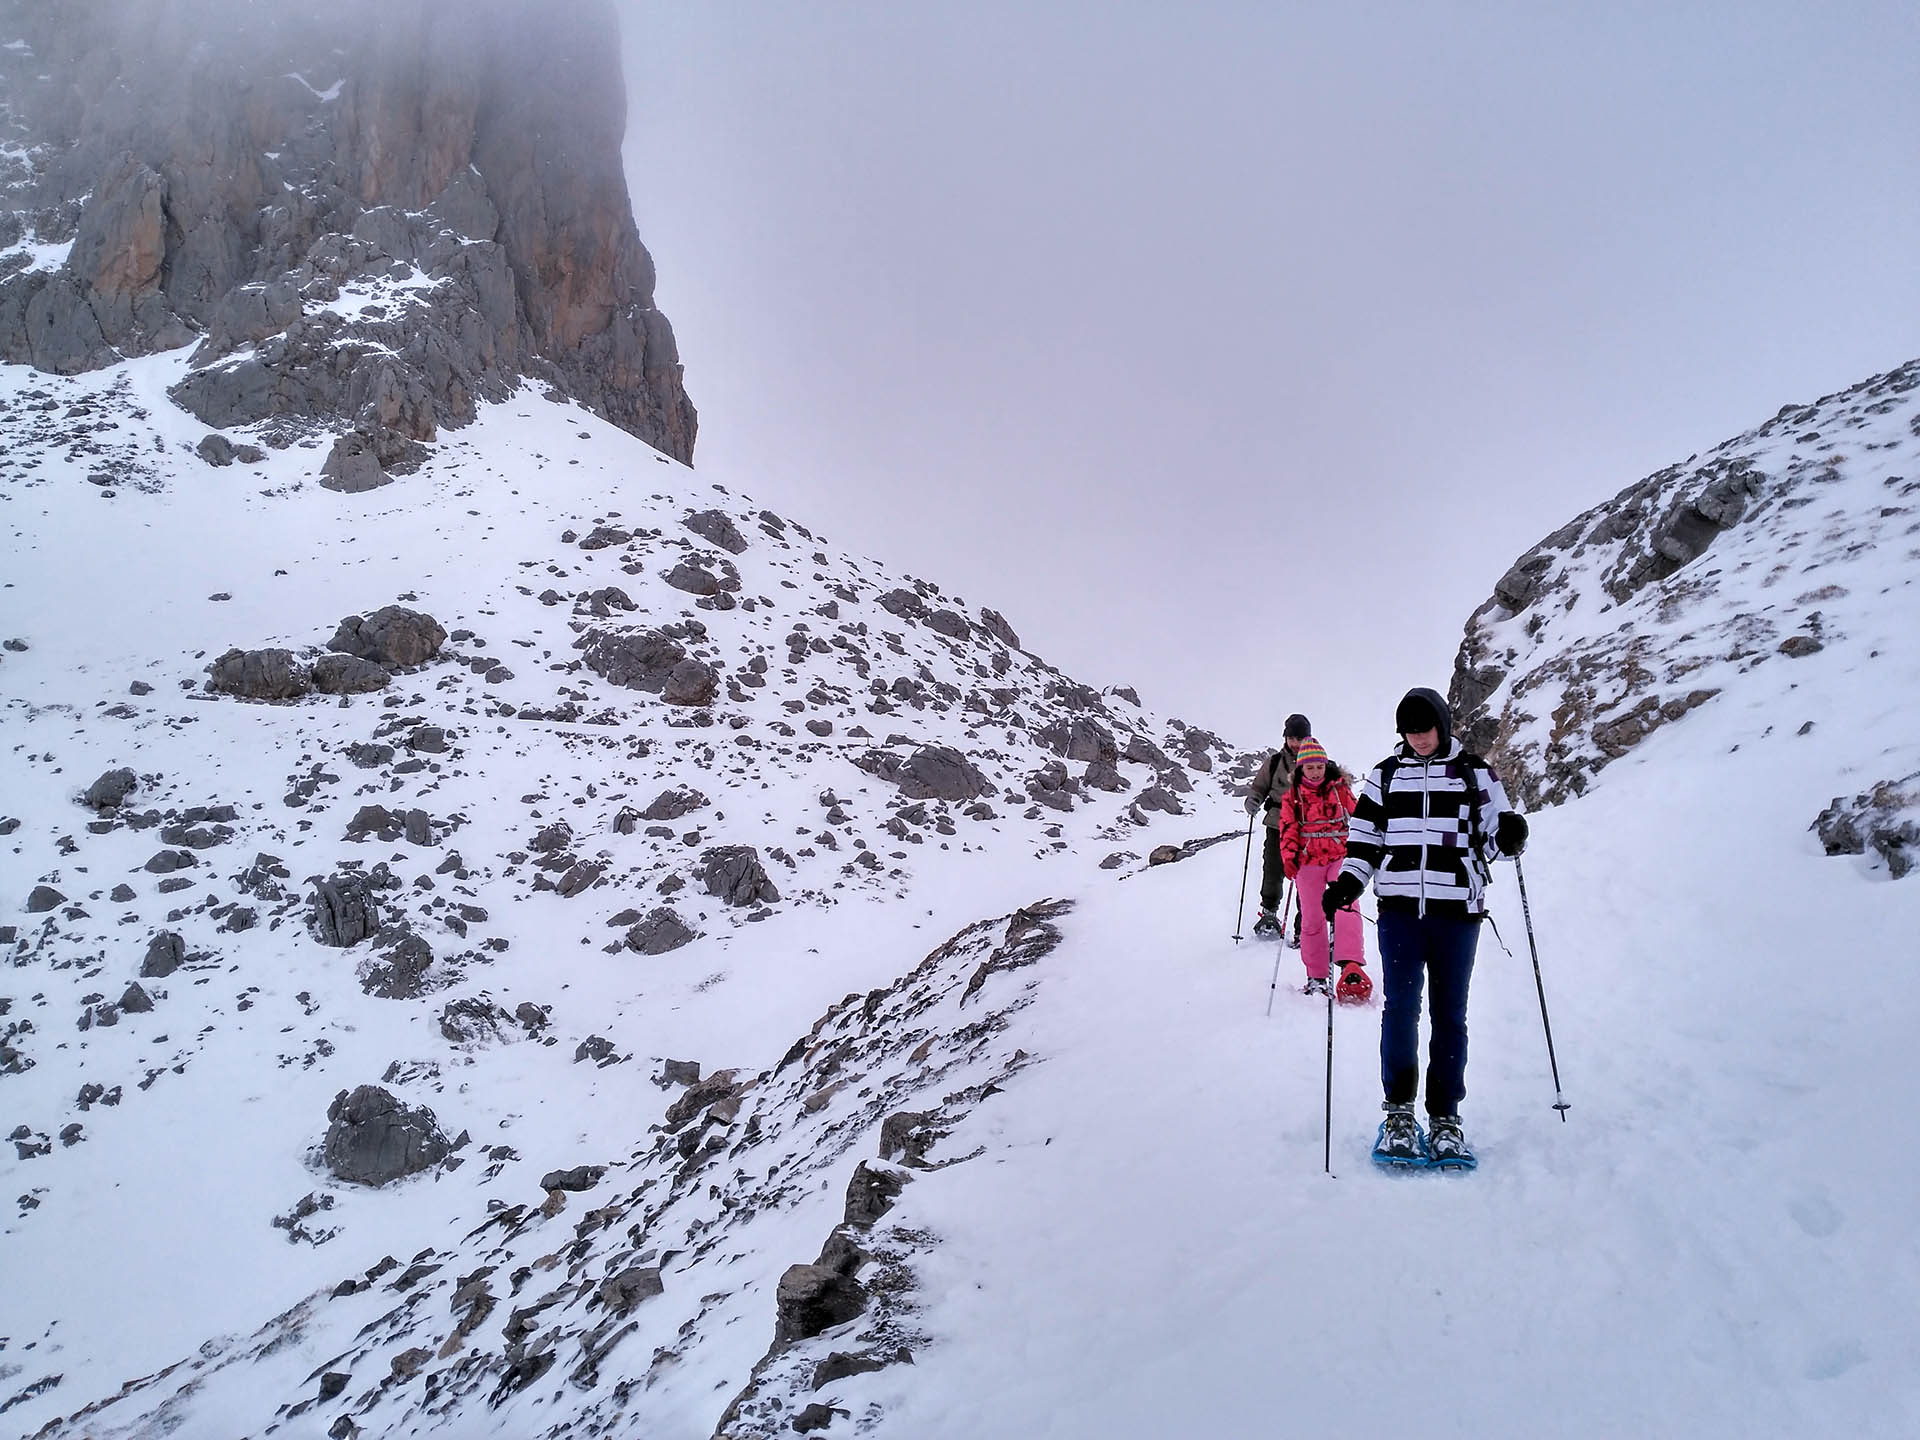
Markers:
point(985, 1139)
point(549, 881)
point(1798, 537)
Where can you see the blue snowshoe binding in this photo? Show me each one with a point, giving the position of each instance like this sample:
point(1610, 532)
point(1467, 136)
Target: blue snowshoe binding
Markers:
point(1400, 1144)
point(1447, 1147)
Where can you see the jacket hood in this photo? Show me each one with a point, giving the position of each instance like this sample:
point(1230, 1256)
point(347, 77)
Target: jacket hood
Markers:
point(1440, 708)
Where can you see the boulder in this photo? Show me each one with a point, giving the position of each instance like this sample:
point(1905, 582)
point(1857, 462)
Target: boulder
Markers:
point(735, 874)
point(716, 527)
point(650, 661)
point(580, 1177)
point(671, 804)
point(270, 674)
point(474, 1020)
point(391, 635)
point(110, 791)
point(374, 1139)
point(352, 466)
point(812, 1299)
point(345, 911)
point(348, 675)
point(662, 931)
point(166, 953)
point(621, 1292)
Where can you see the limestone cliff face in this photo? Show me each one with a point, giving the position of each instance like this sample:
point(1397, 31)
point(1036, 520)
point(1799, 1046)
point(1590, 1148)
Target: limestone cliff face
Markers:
point(367, 216)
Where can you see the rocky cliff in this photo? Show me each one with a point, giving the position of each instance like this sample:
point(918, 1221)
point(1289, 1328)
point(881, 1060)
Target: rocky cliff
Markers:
point(1764, 552)
point(367, 218)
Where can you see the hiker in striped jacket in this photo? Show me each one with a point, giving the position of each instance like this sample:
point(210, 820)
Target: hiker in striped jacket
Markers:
point(1429, 819)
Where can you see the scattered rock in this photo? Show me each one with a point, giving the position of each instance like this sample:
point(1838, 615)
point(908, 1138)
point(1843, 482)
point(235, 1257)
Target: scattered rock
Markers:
point(663, 930)
point(43, 898)
point(111, 790)
point(373, 1139)
point(580, 1177)
point(672, 804)
point(391, 635)
point(620, 1293)
point(348, 675)
point(270, 674)
point(345, 911)
point(717, 528)
point(736, 875)
point(166, 953)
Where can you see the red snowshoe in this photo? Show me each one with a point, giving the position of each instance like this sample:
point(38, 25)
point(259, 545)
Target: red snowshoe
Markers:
point(1353, 987)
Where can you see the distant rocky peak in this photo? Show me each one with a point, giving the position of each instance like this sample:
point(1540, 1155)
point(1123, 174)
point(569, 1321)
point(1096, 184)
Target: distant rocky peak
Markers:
point(1650, 605)
point(366, 217)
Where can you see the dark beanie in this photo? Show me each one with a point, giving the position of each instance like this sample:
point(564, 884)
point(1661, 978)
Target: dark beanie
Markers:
point(1298, 727)
point(1415, 713)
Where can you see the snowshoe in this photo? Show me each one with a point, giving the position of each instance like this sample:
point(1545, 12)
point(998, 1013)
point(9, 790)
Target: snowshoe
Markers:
point(1266, 924)
point(1353, 986)
point(1447, 1147)
point(1316, 985)
point(1400, 1144)
point(1293, 940)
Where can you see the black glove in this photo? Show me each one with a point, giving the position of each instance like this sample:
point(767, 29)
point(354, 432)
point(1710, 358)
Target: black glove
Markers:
point(1344, 890)
point(1510, 833)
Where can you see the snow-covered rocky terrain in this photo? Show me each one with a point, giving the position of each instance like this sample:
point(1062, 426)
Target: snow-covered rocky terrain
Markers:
point(649, 773)
point(963, 1133)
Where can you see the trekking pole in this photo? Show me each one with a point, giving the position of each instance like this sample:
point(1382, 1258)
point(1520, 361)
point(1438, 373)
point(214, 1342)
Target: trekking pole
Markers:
point(1273, 985)
point(1326, 1159)
point(1245, 861)
point(1526, 912)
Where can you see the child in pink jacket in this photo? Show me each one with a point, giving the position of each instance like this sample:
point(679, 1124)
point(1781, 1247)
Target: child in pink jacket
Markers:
point(1313, 845)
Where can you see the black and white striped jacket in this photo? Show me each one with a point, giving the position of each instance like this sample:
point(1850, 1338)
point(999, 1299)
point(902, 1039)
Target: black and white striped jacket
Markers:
point(1417, 841)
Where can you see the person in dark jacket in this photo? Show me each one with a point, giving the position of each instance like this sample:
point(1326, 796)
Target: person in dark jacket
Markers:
point(1265, 791)
point(1428, 820)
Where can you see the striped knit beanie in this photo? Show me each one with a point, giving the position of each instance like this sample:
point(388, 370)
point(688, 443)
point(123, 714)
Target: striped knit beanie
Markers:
point(1309, 749)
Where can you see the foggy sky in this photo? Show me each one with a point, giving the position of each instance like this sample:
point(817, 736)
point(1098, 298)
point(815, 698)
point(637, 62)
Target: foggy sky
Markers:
point(1234, 351)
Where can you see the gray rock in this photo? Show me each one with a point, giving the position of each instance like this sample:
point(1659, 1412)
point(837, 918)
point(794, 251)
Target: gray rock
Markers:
point(348, 675)
point(735, 874)
point(680, 1072)
point(474, 1020)
point(216, 450)
point(672, 804)
point(165, 862)
point(271, 674)
point(374, 1139)
point(391, 635)
point(352, 467)
point(907, 604)
point(995, 624)
point(580, 1177)
point(650, 661)
point(812, 1299)
point(871, 1193)
point(111, 790)
point(136, 1001)
point(603, 537)
point(1884, 820)
point(662, 931)
point(166, 953)
point(717, 528)
point(43, 898)
point(620, 1293)
point(398, 971)
point(949, 623)
point(345, 911)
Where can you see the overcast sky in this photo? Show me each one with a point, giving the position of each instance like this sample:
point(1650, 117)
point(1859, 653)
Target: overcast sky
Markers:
point(1234, 351)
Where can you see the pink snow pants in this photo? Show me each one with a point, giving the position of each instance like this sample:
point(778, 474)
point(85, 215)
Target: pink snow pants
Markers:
point(1348, 940)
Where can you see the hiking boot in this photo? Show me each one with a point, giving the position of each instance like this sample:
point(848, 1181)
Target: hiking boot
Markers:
point(1447, 1144)
point(1266, 924)
point(1400, 1141)
point(1314, 986)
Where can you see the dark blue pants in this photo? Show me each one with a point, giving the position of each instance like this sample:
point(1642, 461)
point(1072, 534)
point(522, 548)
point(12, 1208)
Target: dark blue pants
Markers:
point(1413, 950)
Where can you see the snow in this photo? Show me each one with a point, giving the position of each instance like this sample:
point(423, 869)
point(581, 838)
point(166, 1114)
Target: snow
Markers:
point(332, 92)
point(1716, 1242)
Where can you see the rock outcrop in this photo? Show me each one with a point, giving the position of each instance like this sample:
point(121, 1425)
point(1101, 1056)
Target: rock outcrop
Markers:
point(368, 217)
point(1647, 607)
